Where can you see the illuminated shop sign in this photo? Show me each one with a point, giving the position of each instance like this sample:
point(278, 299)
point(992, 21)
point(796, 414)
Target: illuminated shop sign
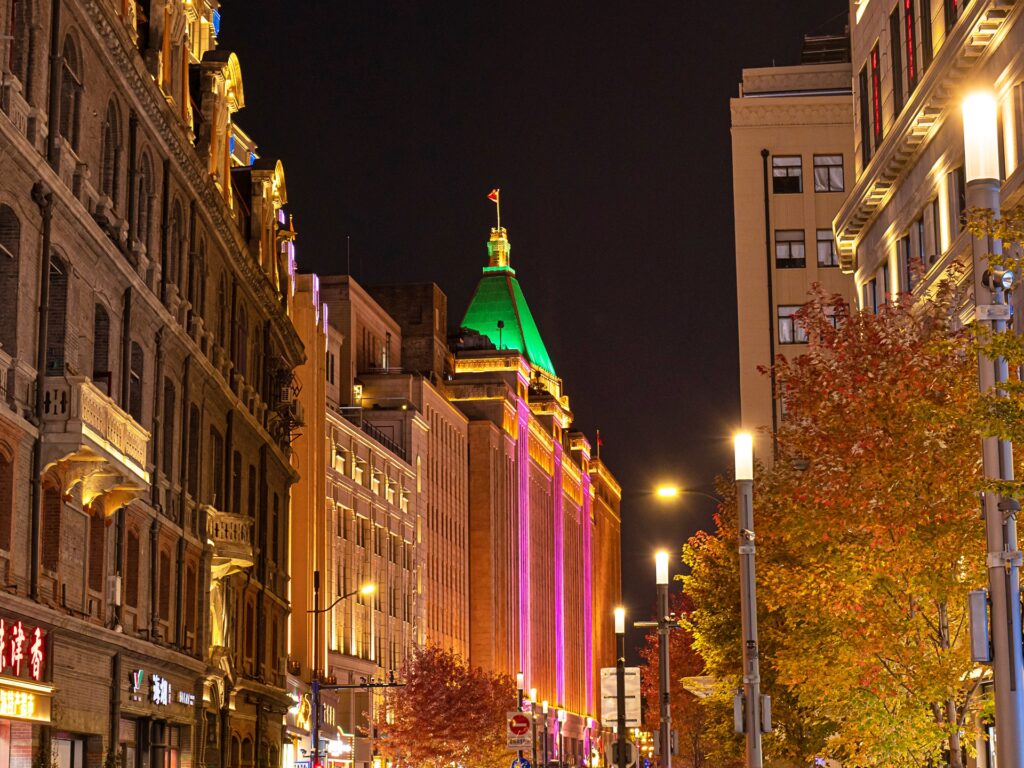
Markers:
point(160, 692)
point(21, 700)
point(22, 650)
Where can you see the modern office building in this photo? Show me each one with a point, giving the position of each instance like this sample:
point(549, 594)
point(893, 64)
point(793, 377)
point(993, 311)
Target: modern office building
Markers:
point(792, 160)
point(146, 361)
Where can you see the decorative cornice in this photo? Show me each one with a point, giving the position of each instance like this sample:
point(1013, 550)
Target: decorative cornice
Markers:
point(155, 108)
point(766, 112)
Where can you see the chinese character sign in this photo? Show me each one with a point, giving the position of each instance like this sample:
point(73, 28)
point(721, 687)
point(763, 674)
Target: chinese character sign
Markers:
point(161, 691)
point(22, 648)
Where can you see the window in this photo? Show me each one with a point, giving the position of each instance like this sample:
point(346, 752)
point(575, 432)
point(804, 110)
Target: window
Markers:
point(952, 10)
point(131, 570)
point(957, 200)
point(56, 317)
point(250, 506)
point(906, 263)
point(167, 459)
point(865, 129)
point(911, 42)
point(53, 511)
point(236, 483)
point(190, 599)
point(6, 500)
point(110, 146)
point(70, 94)
point(787, 175)
point(896, 55)
point(217, 462)
point(832, 315)
point(144, 199)
point(192, 477)
point(330, 367)
point(10, 250)
point(828, 173)
point(164, 593)
point(21, 52)
point(827, 249)
point(876, 97)
point(97, 545)
point(926, 35)
point(789, 248)
point(870, 295)
point(175, 249)
point(790, 331)
point(101, 376)
point(135, 383)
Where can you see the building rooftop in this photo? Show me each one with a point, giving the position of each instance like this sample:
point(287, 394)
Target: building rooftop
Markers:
point(498, 309)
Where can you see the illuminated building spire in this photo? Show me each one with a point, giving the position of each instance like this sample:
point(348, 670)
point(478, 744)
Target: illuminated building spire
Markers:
point(499, 250)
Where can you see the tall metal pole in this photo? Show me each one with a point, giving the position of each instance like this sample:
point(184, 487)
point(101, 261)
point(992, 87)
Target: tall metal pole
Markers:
point(665, 625)
point(533, 719)
point(620, 688)
point(544, 707)
point(748, 600)
point(1003, 559)
point(520, 682)
point(314, 731)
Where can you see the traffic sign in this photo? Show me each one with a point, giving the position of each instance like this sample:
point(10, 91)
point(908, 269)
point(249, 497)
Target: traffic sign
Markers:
point(609, 699)
point(520, 762)
point(517, 730)
point(611, 754)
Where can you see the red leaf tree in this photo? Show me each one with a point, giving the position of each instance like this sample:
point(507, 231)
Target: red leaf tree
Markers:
point(446, 714)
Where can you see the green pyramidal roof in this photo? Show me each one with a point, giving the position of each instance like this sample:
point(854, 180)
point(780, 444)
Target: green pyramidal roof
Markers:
point(499, 297)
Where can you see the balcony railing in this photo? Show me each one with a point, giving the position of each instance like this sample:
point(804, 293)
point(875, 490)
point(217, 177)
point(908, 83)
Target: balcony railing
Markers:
point(231, 536)
point(85, 410)
point(92, 442)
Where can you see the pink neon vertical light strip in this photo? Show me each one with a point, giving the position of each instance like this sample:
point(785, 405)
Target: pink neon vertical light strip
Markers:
point(523, 447)
point(559, 544)
point(588, 653)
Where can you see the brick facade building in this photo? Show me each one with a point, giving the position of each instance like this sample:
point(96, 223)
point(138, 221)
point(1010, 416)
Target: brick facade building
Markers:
point(145, 381)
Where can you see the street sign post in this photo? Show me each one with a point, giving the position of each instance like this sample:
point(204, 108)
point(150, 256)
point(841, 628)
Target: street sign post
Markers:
point(612, 759)
point(517, 731)
point(609, 708)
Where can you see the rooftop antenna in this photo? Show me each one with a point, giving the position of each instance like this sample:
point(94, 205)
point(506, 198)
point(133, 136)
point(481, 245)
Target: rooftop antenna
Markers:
point(501, 327)
point(348, 251)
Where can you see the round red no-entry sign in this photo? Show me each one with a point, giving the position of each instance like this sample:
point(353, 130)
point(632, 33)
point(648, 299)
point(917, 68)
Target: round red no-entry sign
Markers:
point(519, 725)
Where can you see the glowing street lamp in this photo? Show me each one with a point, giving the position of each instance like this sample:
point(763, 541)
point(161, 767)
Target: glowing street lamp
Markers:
point(981, 171)
point(668, 491)
point(752, 720)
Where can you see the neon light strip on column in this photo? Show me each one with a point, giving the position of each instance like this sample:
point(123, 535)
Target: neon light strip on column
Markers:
point(523, 449)
point(559, 564)
point(588, 653)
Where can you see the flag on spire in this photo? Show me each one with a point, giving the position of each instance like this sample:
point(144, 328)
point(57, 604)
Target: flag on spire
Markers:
point(600, 442)
point(494, 194)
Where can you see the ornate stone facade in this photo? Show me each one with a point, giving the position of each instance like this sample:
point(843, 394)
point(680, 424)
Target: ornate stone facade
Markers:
point(146, 359)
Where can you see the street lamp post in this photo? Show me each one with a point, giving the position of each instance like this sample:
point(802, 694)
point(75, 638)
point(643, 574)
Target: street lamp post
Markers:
point(744, 446)
point(544, 709)
point(520, 683)
point(620, 687)
point(533, 720)
point(665, 625)
point(981, 167)
point(314, 729)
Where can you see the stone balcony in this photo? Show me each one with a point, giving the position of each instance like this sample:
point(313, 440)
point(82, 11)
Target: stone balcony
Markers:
point(231, 538)
point(90, 441)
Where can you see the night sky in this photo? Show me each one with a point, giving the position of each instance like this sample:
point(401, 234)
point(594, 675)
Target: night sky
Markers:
point(606, 126)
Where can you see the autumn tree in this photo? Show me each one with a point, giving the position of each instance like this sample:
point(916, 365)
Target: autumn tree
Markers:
point(868, 537)
point(689, 718)
point(446, 714)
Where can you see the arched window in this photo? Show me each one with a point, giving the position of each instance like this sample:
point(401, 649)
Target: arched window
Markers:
point(198, 297)
point(10, 250)
point(56, 317)
point(175, 246)
point(143, 199)
point(194, 450)
point(236, 751)
point(167, 427)
point(257, 360)
point(131, 569)
point(21, 44)
point(70, 93)
point(101, 349)
point(250, 629)
point(135, 382)
point(97, 550)
point(110, 147)
point(53, 510)
point(6, 499)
